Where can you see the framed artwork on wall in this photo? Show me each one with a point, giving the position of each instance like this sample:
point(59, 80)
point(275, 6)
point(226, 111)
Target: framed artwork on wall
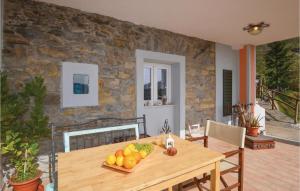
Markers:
point(79, 83)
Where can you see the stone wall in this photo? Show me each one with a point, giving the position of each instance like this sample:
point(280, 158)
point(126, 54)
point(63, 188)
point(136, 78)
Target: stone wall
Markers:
point(39, 36)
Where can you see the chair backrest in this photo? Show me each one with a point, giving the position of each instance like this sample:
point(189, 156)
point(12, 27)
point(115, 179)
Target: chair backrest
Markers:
point(231, 134)
point(193, 127)
point(67, 135)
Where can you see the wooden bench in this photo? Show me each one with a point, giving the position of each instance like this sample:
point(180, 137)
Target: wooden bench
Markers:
point(67, 135)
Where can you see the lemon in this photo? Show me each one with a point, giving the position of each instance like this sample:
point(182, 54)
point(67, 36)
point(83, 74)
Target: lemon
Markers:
point(120, 160)
point(127, 151)
point(111, 159)
point(132, 147)
point(143, 154)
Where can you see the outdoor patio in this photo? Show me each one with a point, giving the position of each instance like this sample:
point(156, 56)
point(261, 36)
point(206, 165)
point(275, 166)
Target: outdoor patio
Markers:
point(107, 95)
point(266, 170)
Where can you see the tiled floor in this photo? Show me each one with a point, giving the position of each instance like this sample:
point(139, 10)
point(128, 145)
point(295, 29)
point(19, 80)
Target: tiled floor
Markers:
point(291, 134)
point(267, 170)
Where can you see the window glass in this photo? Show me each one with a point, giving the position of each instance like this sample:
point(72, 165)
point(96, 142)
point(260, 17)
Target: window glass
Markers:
point(80, 83)
point(147, 83)
point(161, 83)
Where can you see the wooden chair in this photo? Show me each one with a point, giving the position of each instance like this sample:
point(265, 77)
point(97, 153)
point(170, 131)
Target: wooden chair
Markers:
point(235, 136)
point(106, 130)
point(195, 132)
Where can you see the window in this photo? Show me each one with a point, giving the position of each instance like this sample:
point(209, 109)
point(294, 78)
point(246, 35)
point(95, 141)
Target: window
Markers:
point(147, 83)
point(161, 83)
point(80, 83)
point(157, 83)
point(227, 92)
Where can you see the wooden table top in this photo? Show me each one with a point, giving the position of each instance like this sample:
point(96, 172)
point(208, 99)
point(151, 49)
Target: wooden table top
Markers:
point(82, 170)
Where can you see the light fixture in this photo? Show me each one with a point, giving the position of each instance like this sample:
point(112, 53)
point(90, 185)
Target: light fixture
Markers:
point(255, 29)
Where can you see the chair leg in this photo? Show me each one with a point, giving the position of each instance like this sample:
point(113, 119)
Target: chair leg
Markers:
point(204, 175)
point(197, 184)
point(223, 181)
point(241, 169)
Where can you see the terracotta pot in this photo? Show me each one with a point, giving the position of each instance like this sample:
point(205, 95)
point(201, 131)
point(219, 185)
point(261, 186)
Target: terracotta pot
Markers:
point(30, 185)
point(252, 131)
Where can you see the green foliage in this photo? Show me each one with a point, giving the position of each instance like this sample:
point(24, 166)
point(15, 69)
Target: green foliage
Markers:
point(13, 107)
point(260, 60)
point(23, 124)
point(36, 125)
point(252, 121)
point(278, 61)
point(283, 107)
point(22, 156)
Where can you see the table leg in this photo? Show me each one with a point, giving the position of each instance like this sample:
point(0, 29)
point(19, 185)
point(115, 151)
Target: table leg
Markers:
point(215, 178)
point(180, 187)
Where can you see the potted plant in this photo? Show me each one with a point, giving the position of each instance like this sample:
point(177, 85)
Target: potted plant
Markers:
point(23, 157)
point(23, 125)
point(252, 125)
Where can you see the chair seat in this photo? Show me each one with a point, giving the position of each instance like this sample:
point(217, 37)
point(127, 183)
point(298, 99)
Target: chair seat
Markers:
point(196, 133)
point(225, 165)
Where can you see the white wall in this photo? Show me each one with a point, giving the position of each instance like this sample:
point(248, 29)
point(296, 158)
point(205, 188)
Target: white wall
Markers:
point(156, 115)
point(228, 59)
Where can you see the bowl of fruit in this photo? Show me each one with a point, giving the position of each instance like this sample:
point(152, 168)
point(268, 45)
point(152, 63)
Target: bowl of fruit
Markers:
point(127, 158)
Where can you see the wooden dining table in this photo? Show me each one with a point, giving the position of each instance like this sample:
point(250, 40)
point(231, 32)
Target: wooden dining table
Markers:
point(83, 170)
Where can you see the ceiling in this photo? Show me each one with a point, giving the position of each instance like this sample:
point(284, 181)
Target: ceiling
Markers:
point(215, 20)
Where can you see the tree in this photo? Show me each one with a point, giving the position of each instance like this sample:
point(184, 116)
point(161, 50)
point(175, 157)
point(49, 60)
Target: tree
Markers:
point(23, 124)
point(23, 111)
point(278, 60)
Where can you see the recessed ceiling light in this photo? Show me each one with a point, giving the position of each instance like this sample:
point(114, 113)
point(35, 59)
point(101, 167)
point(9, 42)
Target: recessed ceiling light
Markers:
point(255, 29)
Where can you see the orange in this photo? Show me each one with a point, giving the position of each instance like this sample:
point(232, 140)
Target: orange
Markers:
point(137, 157)
point(119, 153)
point(129, 162)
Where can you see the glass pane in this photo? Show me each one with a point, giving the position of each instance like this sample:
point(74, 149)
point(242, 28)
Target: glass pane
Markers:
point(80, 84)
point(161, 83)
point(147, 83)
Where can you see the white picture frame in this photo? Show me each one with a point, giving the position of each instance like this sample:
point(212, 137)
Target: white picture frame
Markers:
point(70, 97)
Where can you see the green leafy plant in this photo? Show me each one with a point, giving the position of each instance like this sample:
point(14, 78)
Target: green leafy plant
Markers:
point(23, 124)
point(22, 156)
point(252, 121)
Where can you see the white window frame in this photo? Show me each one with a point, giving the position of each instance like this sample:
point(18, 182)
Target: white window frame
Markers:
point(154, 68)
